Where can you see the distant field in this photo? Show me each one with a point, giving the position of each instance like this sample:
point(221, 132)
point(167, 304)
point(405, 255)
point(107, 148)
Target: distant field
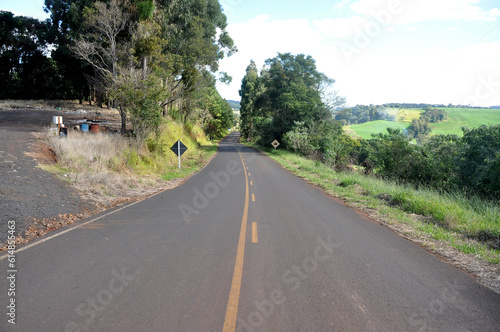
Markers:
point(458, 118)
point(365, 130)
point(465, 117)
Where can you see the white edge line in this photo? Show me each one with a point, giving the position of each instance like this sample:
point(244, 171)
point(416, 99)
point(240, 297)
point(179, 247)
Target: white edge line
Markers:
point(5, 255)
point(69, 229)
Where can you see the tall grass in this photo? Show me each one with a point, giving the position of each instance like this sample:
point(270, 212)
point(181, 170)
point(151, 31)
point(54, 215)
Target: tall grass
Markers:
point(111, 164)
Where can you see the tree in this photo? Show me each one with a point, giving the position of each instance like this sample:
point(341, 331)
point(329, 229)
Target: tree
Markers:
point(25, 70)
point(419, 128)
point(249, 92)
point(393, 154)
point(221, 114)
point(197, 41)
point(102, 46)
point(190, 36)
point(480, 160)
point(292, 92)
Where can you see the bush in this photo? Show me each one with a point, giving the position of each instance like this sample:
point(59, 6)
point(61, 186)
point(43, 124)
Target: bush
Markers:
point(480, 160)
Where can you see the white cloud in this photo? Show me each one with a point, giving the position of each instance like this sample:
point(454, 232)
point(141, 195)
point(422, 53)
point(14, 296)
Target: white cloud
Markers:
point(410, 11)
point(340, 27)
point(375, 75)
point(262, 38)
point(341, 5)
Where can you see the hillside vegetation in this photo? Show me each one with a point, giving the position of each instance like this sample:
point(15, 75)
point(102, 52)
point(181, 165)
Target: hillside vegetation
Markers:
point(458, 118)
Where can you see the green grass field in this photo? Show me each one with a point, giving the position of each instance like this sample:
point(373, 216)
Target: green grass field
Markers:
point(465, 117)
point(458, 118)
point(365, 130)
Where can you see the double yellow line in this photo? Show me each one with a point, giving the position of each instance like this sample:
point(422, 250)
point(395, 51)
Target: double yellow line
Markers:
point(234, 294)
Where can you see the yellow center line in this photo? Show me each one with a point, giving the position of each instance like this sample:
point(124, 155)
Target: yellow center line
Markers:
point(234, 294)
point(255, 237)
point(253, 197)
point(251, 183)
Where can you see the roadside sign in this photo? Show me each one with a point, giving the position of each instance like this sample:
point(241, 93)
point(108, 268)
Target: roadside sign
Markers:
point(178, 148)
point(275, 144)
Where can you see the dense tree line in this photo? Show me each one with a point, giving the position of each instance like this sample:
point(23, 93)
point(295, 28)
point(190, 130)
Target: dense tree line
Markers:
point(25, 70)
point(148, 58)
point(447, 162)
point(362, 114)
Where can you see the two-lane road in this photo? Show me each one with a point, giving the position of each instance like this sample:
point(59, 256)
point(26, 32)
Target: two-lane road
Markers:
point(242, 245)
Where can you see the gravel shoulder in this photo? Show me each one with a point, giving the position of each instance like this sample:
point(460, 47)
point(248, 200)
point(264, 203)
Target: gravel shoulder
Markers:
point(35, 199)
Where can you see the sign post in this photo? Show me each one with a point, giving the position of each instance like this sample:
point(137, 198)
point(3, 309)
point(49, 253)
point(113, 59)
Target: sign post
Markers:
point(275, 144)
point(178, 148)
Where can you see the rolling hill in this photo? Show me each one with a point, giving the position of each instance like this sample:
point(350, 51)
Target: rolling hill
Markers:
point(458, 118)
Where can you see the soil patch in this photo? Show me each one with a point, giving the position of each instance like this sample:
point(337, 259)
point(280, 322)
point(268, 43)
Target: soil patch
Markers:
point(39, 201)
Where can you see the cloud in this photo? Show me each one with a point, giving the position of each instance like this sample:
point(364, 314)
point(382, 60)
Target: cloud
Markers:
point(261, 38)
point(340, 27)
point(376, 75)
point(411, 11)
point(341, 5)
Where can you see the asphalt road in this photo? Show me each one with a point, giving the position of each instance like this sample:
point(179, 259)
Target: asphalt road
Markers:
point(238, 248)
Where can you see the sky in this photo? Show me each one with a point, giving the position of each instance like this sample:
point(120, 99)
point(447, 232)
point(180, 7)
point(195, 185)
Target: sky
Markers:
point(377, 51)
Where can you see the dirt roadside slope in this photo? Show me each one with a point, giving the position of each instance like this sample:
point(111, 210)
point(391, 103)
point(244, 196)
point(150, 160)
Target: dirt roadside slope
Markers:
point(29, 195)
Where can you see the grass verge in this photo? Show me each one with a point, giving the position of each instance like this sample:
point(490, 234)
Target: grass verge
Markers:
point(470, 225)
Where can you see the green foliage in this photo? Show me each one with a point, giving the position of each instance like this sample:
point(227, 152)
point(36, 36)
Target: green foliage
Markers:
point(446, 162)
point(250, 90)
point(480, 160)
point(419, 128)
point(284, 103)
point(287, 91)
point(291, 92)
point(25, 70)
point(362, 114)
point(297, 138)
point(392, 153)
point(435, 115)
